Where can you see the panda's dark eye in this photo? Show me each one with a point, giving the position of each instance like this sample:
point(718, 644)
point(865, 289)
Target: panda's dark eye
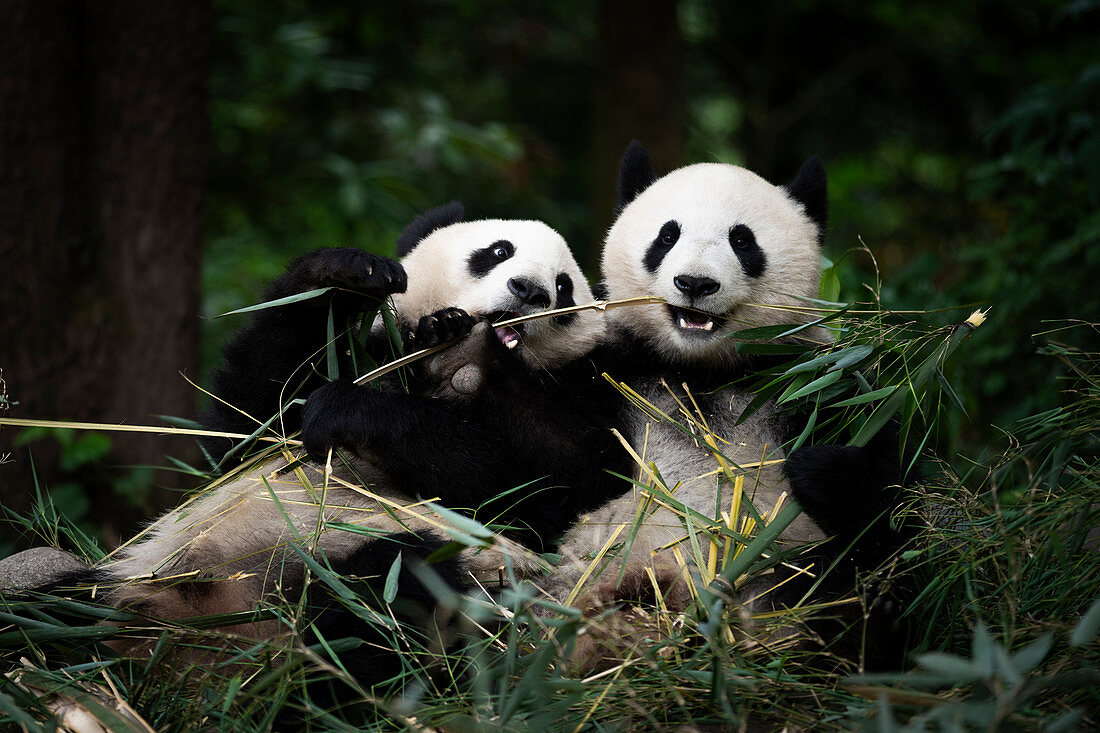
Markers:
point(500, 252)
point(741, 237)
point(670, 232)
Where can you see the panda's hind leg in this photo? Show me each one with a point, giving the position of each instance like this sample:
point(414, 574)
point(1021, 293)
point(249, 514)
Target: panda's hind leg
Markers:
point(392, 643)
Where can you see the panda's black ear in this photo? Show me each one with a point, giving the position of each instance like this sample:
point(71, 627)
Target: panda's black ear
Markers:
point(635, 174)
point(426, 223)
point(810, 189)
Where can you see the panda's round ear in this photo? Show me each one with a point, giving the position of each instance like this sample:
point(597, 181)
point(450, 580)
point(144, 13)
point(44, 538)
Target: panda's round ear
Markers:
point(810, 189)
point(635, 174)
point(426, 223)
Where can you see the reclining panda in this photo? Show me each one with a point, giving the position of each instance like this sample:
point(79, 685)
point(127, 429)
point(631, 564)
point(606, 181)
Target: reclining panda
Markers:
point(477, 451)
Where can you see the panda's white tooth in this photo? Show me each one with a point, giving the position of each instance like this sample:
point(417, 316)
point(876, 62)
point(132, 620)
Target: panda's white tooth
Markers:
point(683, 322)
point(512, 344)
point(709, 326)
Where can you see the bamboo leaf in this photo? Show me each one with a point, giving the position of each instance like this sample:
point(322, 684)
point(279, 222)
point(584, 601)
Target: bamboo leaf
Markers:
point(1032, 655)
point(1086, 628)
point(332, 364)
point(952, 669)
point(389, 592)
point(865, 398)
point(463, 523)
point(854, 355)
point(882, 414)
point(279, 301)
point(815, 386)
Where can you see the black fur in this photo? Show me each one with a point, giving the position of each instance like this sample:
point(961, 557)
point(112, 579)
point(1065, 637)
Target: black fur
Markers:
point(384, 654)
point(481, 262)
point(545, 432)
point(440, 327)
point(426, 223)
point(635, 175)
point(810, 189)
point(753, 260)
point(270, 361)
point(852, 493)
point(661, 246)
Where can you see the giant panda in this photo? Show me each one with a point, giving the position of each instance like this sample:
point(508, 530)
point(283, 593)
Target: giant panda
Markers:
point(726, 250)
point(476, 451)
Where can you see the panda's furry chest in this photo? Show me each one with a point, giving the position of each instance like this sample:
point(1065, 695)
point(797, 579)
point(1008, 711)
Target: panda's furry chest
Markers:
point(697, 445)
point(700, 454)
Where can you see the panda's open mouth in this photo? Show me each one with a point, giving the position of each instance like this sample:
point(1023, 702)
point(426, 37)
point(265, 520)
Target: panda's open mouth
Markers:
point(694, 321)
point(510, 336)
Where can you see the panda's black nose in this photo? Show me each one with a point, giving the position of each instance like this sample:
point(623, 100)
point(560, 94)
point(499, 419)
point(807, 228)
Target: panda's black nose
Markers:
point(529, 293)
point(695, 287)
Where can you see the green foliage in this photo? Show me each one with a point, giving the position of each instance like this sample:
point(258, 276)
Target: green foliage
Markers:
point(1006, 616)
point(82, 464)
point(1044, 265)
point(994, 688)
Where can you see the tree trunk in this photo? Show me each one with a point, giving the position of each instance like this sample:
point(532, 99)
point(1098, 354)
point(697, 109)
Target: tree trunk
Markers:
point(102, 143)
point(637, 95)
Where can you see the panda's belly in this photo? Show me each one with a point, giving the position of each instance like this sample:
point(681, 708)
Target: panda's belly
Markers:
point(693, 474)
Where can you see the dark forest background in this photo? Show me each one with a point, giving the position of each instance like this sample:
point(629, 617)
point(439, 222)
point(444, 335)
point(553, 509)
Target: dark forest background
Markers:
point(160, 161)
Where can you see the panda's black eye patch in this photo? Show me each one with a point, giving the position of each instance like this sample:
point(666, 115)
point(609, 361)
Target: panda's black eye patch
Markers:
point(666, 238)
point(565, 291)
point(482, 261)
point(748, 251)
point(565, 299)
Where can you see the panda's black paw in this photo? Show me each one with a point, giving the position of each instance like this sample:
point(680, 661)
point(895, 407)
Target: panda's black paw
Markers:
point(843, 488)
point(364, 273)
point(440, 327)
point(336, 415)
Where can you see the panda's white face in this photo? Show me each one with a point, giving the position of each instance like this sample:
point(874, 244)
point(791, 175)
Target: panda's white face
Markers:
point(719, 244)
point(500, 269)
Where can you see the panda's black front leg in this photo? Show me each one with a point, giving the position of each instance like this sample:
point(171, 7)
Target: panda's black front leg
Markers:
point(474, 456)
point(851, 493)
point(269, 360)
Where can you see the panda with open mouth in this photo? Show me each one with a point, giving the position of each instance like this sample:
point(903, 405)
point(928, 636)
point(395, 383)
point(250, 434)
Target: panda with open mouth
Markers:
point(725, 250)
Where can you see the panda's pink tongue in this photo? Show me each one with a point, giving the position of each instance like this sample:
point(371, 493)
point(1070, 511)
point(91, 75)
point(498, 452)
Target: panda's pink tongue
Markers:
point(508, 336)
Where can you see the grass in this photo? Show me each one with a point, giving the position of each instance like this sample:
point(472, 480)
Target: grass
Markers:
point(1003, 626)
